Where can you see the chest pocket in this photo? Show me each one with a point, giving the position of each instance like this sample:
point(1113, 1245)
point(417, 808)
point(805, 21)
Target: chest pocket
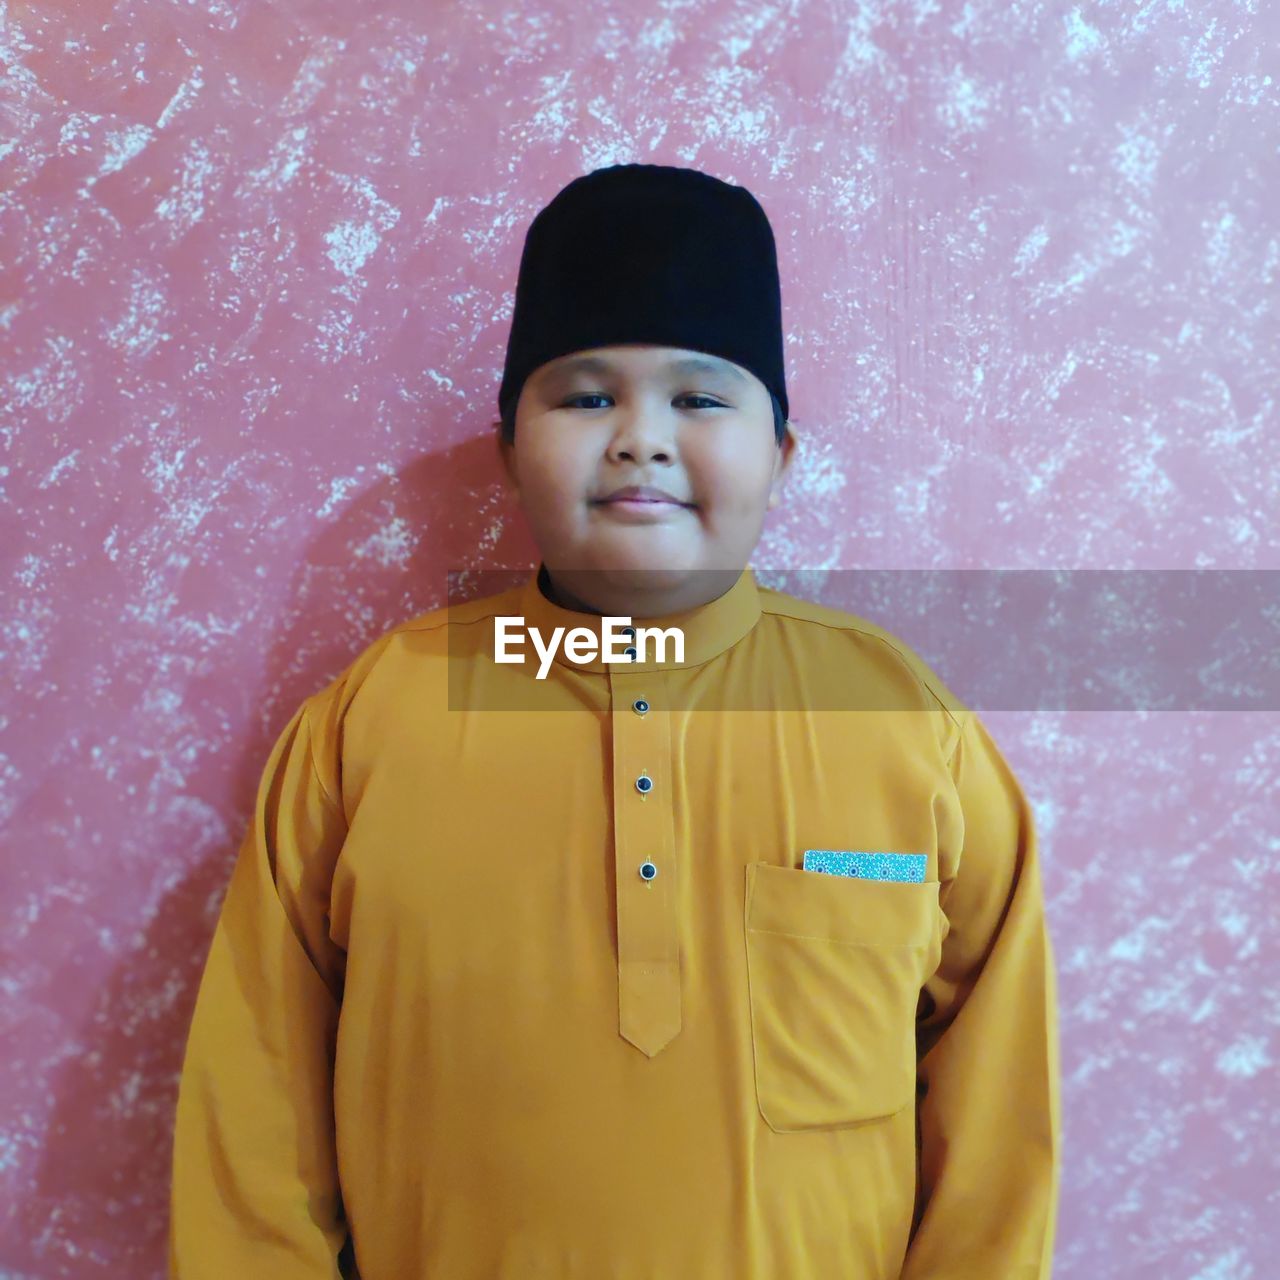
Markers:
point(834, 970)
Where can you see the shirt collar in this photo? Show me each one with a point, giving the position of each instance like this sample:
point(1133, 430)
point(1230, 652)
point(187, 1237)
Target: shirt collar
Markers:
point(709, 629)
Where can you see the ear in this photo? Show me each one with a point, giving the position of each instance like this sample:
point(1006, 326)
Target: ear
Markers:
point(782, 464)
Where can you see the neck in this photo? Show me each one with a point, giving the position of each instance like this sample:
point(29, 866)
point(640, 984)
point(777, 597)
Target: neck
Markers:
point(641, 594)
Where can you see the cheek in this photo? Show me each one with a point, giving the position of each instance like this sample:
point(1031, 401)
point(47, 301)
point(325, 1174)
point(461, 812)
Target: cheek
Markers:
point(734, 483)
point(556, 479)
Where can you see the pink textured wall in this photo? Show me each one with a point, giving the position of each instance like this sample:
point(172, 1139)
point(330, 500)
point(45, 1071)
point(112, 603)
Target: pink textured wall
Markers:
point(258, 263)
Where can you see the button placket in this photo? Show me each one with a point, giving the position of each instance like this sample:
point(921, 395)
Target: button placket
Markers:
point(649, 1013)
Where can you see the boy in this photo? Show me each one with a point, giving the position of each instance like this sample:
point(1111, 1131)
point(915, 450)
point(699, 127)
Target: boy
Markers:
point(723, 965)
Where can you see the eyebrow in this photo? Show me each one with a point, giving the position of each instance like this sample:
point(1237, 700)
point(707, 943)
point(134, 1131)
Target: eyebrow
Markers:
point(685, 364)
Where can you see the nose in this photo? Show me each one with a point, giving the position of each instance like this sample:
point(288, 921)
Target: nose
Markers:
point(641, 435)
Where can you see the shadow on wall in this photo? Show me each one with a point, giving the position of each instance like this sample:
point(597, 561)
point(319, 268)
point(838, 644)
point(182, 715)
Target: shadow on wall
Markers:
point(98, 1203)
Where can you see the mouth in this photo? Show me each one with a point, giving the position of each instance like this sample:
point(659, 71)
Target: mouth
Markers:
point(642, 510)
point(640, 502)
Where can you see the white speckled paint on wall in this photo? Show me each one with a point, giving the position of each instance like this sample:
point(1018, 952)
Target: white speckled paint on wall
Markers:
point(258, 269)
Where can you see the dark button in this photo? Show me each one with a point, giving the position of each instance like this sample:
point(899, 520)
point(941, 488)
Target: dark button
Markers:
point(639, 706)
point(648, 870)
point(630, 651)
point(644, 785)
point(627, 631)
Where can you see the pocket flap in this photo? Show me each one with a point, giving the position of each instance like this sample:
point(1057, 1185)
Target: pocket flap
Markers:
point(882, 913)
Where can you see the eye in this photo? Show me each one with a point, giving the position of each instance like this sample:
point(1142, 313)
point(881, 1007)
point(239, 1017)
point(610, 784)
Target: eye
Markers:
point(707, 402)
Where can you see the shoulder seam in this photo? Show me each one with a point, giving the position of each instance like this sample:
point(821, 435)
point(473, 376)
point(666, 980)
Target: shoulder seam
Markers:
point(960, 728)
point(374, 651)
point(454, 622)
point(412, 624)
point(888, 644)
point(334, 804)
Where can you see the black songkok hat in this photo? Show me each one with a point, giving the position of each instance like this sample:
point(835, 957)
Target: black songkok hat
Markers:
point(648, 253)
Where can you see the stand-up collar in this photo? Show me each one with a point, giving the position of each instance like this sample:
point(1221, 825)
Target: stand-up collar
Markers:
point(709, 629)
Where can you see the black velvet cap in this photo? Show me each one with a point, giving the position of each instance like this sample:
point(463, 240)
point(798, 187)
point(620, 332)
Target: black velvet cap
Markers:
point(647, 253)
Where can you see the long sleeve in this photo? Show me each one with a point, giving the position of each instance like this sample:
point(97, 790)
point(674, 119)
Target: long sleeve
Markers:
point(255, 1190)
point(987, 1041)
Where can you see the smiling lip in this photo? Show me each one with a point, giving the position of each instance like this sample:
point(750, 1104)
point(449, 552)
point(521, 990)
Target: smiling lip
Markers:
point(643, 495)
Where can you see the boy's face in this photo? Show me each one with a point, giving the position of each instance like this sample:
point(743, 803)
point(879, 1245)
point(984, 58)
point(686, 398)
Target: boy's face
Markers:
point(704, 435)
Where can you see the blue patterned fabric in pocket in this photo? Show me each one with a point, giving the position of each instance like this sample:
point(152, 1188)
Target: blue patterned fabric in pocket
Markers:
point(867, 865)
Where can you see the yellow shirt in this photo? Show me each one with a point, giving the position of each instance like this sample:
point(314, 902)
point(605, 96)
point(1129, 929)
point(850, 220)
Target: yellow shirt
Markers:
point(445, 1013)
